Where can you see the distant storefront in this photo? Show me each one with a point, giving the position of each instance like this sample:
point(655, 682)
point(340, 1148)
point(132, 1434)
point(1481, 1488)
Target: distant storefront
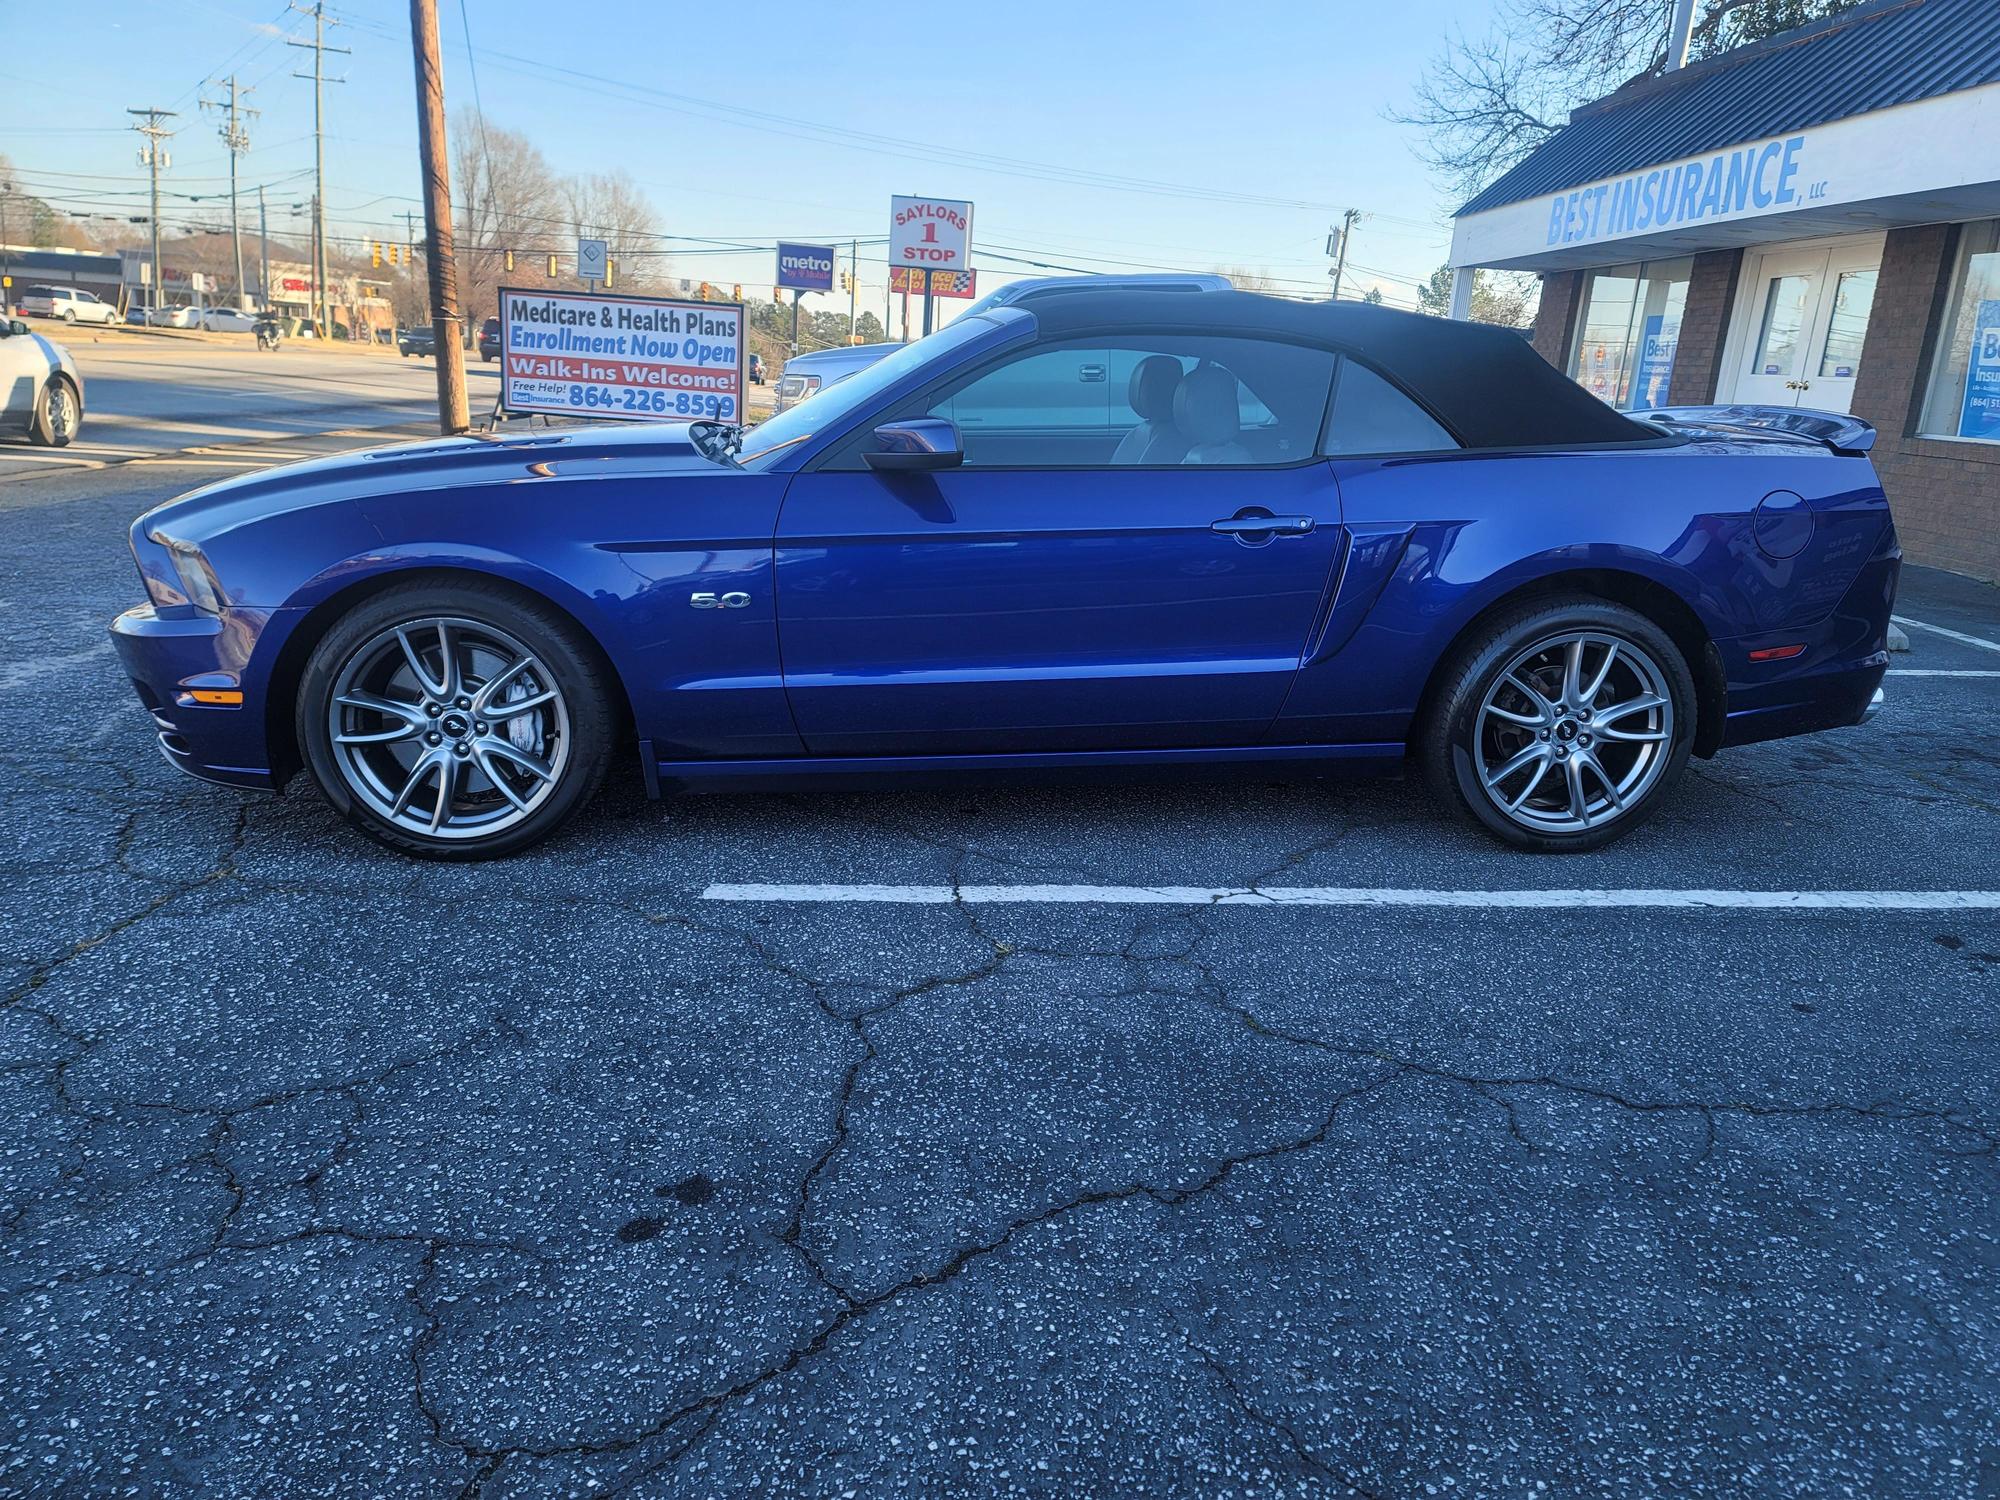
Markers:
point(1811, 221)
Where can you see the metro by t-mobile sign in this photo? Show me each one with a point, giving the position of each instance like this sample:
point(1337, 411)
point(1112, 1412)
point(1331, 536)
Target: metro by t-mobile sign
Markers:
point(805, 268)
point(934, 234)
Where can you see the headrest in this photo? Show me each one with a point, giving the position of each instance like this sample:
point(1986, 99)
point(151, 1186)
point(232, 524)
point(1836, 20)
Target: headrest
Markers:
point(1151, 389)
point(1205, 406)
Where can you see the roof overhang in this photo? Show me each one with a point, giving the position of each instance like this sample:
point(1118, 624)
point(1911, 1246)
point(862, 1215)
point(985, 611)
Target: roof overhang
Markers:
point(1926, 162)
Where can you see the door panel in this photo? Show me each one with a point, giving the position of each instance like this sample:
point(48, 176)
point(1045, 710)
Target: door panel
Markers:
point(1784, 315)
point(1809, 325)
point(975, 611)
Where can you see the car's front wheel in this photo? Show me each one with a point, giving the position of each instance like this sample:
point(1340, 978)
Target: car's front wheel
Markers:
point(58, 415)
point(455, 721)
point(1561, 725)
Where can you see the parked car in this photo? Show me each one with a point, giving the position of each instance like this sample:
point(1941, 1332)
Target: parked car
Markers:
point(135, 315)
point(806, 374)
point(228, 320)
point(41, 393)
point(417, 341)
point(757, 371)
point(174, 317)
point(71, 304)
point(489, 340)
point(1089, 531)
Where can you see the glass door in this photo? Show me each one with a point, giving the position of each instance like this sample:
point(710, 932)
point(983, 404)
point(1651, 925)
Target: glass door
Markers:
point(1809, 323)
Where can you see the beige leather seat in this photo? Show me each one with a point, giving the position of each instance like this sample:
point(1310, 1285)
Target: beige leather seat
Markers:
point(1156, 440)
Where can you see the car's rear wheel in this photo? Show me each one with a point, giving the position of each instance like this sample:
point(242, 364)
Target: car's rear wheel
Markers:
point(58, 415)
point(1561, 725)
point(455, 721)
point(69, 315)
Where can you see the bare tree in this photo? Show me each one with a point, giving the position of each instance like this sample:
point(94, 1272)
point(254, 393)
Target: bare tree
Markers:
point(1508, 298)
point(512, 201)
point(1485, 102)
point(614, 209)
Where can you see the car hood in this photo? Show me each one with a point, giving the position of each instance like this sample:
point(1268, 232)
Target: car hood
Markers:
point(409, 469)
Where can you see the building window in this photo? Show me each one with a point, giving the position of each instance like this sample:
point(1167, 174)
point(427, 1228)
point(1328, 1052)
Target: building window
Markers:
point(1629, 332)
point(1963, 400)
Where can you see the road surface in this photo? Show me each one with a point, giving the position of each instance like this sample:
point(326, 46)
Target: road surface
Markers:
point(155, 393)
point(927, 1142)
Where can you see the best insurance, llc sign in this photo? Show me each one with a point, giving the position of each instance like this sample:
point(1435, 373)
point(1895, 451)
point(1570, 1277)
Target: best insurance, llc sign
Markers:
point(934, 234)
point(636, 358)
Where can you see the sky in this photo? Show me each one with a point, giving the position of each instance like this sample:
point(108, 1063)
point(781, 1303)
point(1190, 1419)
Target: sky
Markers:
point(1090, 135)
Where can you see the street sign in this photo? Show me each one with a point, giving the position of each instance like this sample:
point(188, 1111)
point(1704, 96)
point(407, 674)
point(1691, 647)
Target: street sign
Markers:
point(931, 232)
point(632, 358)
point(943, 283)
point(592, 257)
point(805, 268)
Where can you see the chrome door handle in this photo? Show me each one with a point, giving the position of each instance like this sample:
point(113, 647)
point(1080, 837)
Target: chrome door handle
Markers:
point(1264, 526)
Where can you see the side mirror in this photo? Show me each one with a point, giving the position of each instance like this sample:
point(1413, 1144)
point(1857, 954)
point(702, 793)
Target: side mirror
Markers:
point(16, 327)
point(921, 443)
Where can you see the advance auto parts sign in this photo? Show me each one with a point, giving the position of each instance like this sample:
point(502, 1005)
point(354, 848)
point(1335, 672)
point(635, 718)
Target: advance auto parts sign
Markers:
point(636, 358)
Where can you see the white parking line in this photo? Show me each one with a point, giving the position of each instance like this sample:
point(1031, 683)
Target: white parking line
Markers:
point(1936, 672)
point(1951, 635)
point(1269, 896)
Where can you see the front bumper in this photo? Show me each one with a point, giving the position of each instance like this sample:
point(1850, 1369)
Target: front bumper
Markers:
point(185, 670)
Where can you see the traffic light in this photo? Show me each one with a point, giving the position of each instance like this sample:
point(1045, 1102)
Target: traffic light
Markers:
point(847, 281)
point(552, 267)
point(509, 259)
point(376, 258)
point(736, 292)
point(394, 251)
point(704, 291)
point(778, 295)
point(610, 272)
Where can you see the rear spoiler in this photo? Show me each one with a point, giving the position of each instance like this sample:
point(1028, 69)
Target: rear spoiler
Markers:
point(1845, 435)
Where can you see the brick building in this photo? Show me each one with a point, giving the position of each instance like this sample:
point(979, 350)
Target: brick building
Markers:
point(1811, 221)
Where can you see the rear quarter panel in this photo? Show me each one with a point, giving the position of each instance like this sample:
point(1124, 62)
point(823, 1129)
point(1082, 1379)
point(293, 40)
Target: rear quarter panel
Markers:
point(1439, 539)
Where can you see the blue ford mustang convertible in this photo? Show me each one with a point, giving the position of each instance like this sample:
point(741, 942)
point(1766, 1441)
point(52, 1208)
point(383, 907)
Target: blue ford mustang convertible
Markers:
point(1108, 529)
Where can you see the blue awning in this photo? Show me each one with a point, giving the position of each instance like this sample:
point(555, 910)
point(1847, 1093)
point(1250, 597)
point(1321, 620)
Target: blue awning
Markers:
point(1869, 58)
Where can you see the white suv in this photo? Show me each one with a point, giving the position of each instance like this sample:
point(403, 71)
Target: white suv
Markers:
point(71, 304)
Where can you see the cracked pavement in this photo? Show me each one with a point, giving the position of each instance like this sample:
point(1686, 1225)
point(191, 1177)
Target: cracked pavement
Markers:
point(326, 1173)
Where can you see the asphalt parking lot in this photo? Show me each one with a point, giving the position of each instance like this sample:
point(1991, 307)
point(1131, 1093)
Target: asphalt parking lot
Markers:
point(624, 1167)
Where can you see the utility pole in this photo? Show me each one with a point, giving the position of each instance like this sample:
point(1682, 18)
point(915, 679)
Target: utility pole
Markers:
point(6, 255)
point(237, 139)
point(1336, 246)
point(264, 237)
point(853, 292)
point(152, 157)
point(319, 81)
point(439, 250)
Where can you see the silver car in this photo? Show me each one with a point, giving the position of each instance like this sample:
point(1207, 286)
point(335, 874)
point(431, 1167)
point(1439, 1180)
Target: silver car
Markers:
point(41, 393)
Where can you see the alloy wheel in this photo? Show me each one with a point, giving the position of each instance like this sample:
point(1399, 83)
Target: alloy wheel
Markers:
point(448, 727)
point(59, 413)
point(1573, 732)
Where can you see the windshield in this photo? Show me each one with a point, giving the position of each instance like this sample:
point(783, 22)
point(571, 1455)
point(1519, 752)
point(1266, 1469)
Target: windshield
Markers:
point(833, 404)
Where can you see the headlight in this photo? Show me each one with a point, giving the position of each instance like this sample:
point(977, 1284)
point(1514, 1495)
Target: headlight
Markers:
point(197, 578)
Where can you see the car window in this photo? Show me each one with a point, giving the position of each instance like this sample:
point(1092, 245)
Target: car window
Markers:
point(1369, 415)
point(1144, 400)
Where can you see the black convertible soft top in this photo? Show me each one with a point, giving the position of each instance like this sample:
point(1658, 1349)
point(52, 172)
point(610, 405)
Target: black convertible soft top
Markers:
point(1487, 385)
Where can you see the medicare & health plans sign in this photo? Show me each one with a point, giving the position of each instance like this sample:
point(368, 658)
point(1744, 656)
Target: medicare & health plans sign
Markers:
point(584, 354)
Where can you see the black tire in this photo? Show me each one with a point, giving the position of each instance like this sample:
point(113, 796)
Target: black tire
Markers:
point(1450, 754)
point(587, 691)
point(58, 415)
